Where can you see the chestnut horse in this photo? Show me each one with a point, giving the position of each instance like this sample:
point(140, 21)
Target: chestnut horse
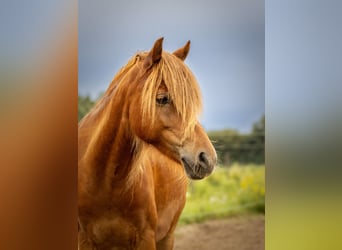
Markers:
point(136, 148)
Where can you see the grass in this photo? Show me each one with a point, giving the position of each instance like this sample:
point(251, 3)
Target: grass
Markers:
point(228, 191)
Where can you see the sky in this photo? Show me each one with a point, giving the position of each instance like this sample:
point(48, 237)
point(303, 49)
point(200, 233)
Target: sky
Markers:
point(227, 53)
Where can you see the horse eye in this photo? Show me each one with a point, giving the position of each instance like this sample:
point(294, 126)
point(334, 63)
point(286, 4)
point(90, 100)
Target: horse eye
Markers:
point(163, 100)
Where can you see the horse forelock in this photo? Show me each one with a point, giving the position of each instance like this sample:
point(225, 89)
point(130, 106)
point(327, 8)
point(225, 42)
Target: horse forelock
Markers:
point(182, 87)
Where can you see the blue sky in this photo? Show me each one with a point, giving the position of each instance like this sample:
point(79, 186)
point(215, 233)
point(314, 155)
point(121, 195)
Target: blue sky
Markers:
point(227, 52)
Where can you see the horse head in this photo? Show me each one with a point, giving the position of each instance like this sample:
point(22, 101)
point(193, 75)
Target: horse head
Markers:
point(164, 110)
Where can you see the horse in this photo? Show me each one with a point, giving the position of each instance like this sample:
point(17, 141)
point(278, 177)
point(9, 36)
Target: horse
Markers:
point(137, 149)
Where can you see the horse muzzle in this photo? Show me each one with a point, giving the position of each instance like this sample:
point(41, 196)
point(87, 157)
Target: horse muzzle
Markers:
point(199, 168)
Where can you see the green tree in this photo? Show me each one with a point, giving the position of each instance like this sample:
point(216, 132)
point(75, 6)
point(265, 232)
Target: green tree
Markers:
point(84, 105)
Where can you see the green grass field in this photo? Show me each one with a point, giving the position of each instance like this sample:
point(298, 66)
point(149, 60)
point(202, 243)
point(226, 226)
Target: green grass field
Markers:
point(228, 191)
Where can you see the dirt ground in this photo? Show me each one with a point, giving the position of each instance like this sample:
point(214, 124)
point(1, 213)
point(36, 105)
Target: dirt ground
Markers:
point(237, 233)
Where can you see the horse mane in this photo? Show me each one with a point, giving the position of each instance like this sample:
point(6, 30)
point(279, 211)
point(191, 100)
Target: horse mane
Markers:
point(182, 87)
point(103, 102)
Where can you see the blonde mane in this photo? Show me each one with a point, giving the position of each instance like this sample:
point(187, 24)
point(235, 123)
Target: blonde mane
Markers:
point(182, 87)
point(111, 90)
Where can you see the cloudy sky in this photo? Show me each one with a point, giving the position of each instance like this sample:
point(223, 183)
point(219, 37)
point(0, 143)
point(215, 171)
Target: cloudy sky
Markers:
point(227, 52)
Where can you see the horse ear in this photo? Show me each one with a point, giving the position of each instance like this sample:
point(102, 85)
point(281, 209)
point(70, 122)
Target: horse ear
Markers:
point(155, 53)
point(183, 52)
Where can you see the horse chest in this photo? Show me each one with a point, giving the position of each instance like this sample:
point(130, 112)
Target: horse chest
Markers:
point(147, 214)
point(114, 232)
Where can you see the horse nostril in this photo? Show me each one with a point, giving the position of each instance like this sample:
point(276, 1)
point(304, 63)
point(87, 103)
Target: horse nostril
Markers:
point(203, 158)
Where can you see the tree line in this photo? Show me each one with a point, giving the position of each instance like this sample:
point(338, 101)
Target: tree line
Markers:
point(234, 147)
point(231, 146)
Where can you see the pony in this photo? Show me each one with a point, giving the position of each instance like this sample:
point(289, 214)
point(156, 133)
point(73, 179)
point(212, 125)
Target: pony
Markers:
point(137, 149)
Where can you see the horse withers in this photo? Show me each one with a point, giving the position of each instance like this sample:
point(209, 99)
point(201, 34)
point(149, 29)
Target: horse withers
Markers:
point(137, 146)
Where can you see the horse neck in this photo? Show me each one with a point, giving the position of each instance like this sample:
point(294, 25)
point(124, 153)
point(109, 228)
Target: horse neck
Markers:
point(112, 144)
